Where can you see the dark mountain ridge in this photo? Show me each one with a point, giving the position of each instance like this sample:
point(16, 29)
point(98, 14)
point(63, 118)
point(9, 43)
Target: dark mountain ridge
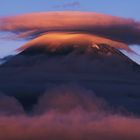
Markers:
point(102, 68)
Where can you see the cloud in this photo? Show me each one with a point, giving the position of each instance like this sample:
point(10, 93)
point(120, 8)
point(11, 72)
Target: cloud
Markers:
point(72, 113)
point(61, 40)
point(76, 125)
point(35, 24)
point(67, 98)
point(10, 105)
point(67, 5)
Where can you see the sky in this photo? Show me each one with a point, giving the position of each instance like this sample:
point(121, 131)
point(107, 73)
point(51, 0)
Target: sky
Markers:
point(125, 8)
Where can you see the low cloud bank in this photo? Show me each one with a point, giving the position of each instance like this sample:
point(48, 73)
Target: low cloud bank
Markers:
point(72, 113)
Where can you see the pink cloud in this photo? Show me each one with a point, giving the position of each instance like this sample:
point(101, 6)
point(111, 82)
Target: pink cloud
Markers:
point(86, 117)
point(35, 24)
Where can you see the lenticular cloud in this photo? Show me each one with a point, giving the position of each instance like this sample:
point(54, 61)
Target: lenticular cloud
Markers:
point(55, 40)
point(32, 25)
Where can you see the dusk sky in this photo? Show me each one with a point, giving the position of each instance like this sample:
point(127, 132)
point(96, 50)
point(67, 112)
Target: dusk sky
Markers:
point(125, 8)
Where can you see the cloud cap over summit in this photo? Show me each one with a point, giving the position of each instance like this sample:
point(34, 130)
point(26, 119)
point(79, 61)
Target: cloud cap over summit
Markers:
point(34, 24)
point(54, 40)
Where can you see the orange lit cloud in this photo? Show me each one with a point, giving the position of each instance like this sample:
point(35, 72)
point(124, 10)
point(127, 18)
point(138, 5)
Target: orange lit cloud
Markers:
point(34, 24)
point(55, 40)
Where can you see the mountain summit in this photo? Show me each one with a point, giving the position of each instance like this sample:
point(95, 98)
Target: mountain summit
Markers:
point(100, 67)
point(78, 58)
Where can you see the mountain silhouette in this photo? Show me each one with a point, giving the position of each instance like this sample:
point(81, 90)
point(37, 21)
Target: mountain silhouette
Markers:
point(100, 67)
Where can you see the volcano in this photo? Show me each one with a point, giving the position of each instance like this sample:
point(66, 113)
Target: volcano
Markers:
point(100, 67)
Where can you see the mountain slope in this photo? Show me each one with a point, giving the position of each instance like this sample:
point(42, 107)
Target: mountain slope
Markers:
point(96, 52)
point(102, 68)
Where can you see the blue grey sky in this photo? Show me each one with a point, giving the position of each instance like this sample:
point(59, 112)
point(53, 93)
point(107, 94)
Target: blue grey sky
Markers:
point(122, 8)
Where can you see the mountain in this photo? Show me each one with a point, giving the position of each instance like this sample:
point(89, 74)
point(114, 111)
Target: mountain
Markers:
point(74, 59)
point(100, 67)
